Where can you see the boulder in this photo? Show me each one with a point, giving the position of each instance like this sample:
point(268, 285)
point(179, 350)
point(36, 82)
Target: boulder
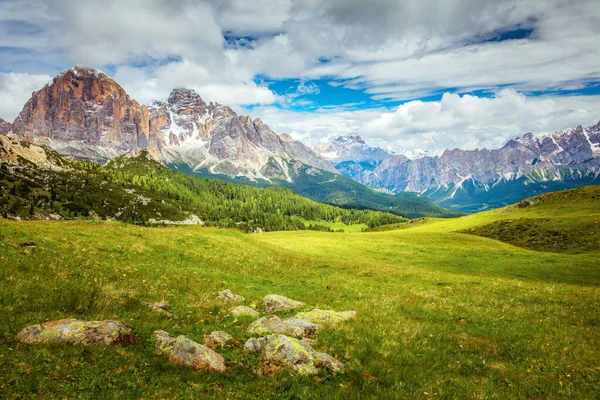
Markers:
point(272, 324)
point(186, 352)
point(324, 317)
point(275, 303)
point(217, 339)
point(294, 354)
point(244, 311)
point(78, 332)
point(228, 296)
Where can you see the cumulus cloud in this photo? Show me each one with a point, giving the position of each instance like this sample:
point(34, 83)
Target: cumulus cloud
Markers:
point(397, 50)
point(15, 90)
point(466, 122)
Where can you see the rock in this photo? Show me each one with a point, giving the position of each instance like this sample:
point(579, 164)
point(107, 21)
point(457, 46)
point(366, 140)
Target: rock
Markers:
point(308, 328)
point(317, 316)
point(294, 354)
point(78, 332)
point(217, 339)
point(161, 308)
point(183, 351)
point(275, 303)
point(272, 324)
point(242, 311)
point(227, 295)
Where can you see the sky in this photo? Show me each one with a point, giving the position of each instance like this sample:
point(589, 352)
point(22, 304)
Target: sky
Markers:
point(410, 75)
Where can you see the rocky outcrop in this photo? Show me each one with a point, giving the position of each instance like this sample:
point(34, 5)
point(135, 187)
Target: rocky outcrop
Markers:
point(186, 352)
point(273, 324)
point(5, 127)
point(15, 151)
point(275, 303)
point(317, 316)
point(297, 355)
point(78, 332)
point(83, 110)
point(227, 295)
point(244, 311)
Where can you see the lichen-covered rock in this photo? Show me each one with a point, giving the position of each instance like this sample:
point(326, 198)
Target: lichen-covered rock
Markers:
point(228, 296)
point(294, 354)
point(244, 311)
point(78, 332)
point(275, 303)
point(308, 328)
point(161, 308)
point(186, 352)
point(317, 316)
point(273, 324)
point(217, 339)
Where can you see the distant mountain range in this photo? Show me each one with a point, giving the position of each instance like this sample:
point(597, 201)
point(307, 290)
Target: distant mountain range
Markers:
point(471, 180)
point(85, 114)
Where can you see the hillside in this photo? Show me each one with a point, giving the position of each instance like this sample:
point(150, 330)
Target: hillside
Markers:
point(141, 190)
point(439, 314)
point(564, 221)
point(338, 190)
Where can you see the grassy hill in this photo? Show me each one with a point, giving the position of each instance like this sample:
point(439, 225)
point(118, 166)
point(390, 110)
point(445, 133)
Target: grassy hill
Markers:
point(564, 221)
point(440, 314)
point(140, 190)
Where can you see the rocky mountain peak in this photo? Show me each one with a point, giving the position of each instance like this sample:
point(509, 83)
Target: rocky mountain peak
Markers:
point(350, 139)
point(83, 107)
point(186, 98)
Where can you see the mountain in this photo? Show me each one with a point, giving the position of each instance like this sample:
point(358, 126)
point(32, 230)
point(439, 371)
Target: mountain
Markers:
point(5, 127)
point(214, 138)
point(352, 157)
point(37, 183)
point(84, 114)
point(470, 180)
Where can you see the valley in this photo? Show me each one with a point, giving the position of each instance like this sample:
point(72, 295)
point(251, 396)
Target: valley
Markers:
point(440, 312)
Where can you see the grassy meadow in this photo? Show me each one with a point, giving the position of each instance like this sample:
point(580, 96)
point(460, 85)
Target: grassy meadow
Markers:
point(441, 314)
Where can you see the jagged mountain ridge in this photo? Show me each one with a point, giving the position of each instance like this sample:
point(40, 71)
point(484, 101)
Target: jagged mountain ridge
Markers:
point(213, 137)
point(529, 165)
point(83, 113)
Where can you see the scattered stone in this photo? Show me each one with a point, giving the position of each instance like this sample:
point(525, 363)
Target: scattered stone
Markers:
point(78, 332)
point(273, 324)
point(217, 339)
point(186, 352)
point(294, 354)
point(244, 311)
point(275, 303)
point(317, 316)
point(308, 328)
point(227, 295)
point(161, 308)
point(462, 321)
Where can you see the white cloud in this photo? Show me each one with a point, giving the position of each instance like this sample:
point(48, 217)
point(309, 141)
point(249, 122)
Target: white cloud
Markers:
point(392, 49)
point(466, 122)
point(15, 90)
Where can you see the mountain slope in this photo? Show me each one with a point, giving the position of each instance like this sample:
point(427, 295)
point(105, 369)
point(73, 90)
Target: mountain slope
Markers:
point(37, 183)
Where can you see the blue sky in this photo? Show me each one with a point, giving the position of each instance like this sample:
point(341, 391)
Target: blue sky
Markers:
point(412, 75)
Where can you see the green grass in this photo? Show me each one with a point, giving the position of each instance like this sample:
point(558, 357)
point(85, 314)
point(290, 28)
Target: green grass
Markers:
point(441, 314)
point(335, 225)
